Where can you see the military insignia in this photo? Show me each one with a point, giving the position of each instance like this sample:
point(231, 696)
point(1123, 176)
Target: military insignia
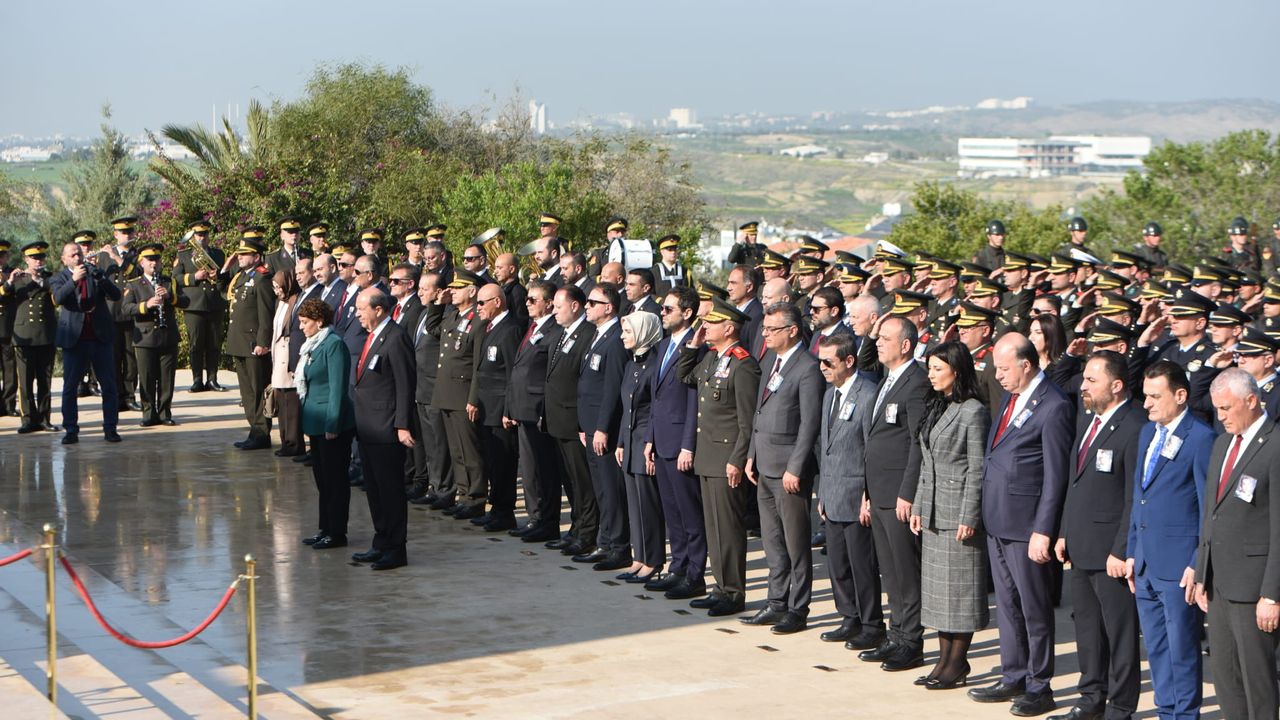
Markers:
point(1194, 366)
point(715, 395)
point(1200, 348)
point(1267, 388)
point(740, 352)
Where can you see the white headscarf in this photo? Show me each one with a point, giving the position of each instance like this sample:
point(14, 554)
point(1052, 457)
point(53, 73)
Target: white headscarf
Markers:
point(647, 329)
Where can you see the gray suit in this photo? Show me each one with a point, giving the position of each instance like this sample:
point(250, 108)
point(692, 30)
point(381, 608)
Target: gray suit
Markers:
point(783, 439)
point(851, 553)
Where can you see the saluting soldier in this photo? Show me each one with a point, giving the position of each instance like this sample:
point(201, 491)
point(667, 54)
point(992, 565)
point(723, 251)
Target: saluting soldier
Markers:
point(812, 247)
point(1257, 356)
point(253, 306)
point(746, 251)
point(150, 303)
point(1189, 348)
point(204, 310)
point(34, 326)
point(914, 307)
point(119, 263)
point(943, 278)
point(8, 361)
point(460, 335)
point(668, 272)
point(773, 265)
point(290, 251)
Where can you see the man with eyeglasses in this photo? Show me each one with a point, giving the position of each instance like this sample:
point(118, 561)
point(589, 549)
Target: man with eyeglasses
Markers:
point(205, 309)
point(486, 405)
point(460, 335)
point(119, 262)
point(475, 261)
point(432, 467)
point(345, 311)
point(34, 323)
point(826, 315)
point(253, 307)
point(436, 257)
point(404, 284)
point(287, 256)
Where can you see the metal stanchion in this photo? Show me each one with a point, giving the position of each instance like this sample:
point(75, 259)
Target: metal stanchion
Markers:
point(250, 565)
point(51, 612)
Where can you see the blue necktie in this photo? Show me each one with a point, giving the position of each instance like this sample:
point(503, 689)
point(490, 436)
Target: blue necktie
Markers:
point(1155, 456)
point(666, 359)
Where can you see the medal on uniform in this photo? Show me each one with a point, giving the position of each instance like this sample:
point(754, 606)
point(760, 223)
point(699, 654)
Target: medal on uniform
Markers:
point(457, 343)
point(1194, 366)
point(715, 395)
point(595, 361)
point(1245, 489)
point(493, 353)
point(1171, 445)
point(723, 365)
point(464, 325)
point(846, 411)
point(1102, 462)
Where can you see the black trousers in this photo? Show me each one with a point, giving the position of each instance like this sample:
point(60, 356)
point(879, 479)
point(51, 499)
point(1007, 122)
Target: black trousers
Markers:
point(1243, 659)
point(898, 552)
point(855, 574)
point(35, 376)
point(501, 447)
point(384, 489)
point(465, 452)
point(8, 378)
point(431, 460)
point(329, 467)
point(787, 532)
point(644, 514)
point(723, 510)
point(156, 368)
point(611, 500)
point(584, 515)
point(204, 334)
point(1106, 621)
point(289, 414)
point(539, 476)
point(253, 373)
point(126, 364)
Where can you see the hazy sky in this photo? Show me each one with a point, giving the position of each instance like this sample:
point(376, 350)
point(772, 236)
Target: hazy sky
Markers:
point(169, 62)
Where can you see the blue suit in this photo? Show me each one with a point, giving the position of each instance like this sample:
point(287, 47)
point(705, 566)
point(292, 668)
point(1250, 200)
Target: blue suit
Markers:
point(1023, 488)
point(78, 353)
point(672, 428)
point(1164, 530)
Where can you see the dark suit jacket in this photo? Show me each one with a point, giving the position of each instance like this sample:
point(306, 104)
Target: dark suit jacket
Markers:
point(840, 451)
point(647, 304)
point(493, 362)
point(1240, 543)
point(383, 393)
point(636, 393)
point(327, 408)
point(296, 336)
point(410, 315)
point(750, 335)
point(562, 379)
point(893, 469)
point(816, 340)
point(425, 338)
point(335, 296)
point(674, 408)
point(71, 318)
point(1095, 516)
point(1026, 474)
point(1164, 520)
point(528, 378)
point(599, 383)
point(515, 296)
point(785, 431)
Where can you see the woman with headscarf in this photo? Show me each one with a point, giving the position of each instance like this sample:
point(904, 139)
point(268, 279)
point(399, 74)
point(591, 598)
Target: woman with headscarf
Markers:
point(640, 332)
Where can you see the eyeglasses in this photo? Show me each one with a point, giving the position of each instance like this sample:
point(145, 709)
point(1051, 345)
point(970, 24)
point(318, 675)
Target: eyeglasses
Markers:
point(767, 330)
point(345, 265)
point(364, 272)
point(471, 258)
point(827, 362)
point(401, 281)
point(666, 309)
point(815, 308)
point(597, 302)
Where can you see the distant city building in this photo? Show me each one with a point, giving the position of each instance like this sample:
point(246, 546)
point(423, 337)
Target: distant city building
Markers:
point(875, 158)
point(538, 117)
point(683, 118)
point(803, 151)
point(1018, 103)
point(1051, 157)
point(26, 153)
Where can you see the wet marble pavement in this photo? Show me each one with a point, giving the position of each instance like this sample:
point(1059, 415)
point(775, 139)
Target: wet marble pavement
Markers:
point(476, 625)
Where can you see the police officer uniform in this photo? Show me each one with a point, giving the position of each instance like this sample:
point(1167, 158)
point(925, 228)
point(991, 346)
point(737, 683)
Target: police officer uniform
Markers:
point(1194, 358)
point(34, 326)
point(253, 306)
point(204, 311)
point(121, 273)
point(665, 278)
point(155, 338)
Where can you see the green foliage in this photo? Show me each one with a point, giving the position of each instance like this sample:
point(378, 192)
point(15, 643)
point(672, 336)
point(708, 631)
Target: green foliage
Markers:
point(1194, 191)
point(951, 223)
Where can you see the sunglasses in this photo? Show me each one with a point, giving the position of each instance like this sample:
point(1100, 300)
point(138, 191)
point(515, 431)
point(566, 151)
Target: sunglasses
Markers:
point(667, 310)
point(597, 302)
point(345, 264)
point(828, 362)
point(471, 258)
point(401, 281)
point(771, 330)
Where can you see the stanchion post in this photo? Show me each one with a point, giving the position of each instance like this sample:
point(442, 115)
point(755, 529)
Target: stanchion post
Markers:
point(51, 612)
point(250, 566)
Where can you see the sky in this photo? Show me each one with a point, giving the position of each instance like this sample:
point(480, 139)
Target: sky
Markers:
point(158, 63)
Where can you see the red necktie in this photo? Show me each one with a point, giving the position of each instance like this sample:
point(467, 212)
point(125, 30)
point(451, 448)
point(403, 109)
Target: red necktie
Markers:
point(1229, 466)
point(1088, 440)
point(1004, 419)
point(343, 303)
point(363, 353)
point(395, 314)
point(532, 324)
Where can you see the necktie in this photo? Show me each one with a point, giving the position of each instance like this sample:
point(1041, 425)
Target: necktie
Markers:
point(532, 324)
point(1005, 418)
point(835, 410)
point(363, 353)
point(395, 314)
point(1150, 469)
point(884, 392)
point(1088, 440)
point(777, 365)
point(666, 359)
point(343, 302)
point(1229, 466)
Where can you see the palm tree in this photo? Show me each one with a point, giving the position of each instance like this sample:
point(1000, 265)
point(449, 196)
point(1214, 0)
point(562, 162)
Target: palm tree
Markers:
point(222, 151)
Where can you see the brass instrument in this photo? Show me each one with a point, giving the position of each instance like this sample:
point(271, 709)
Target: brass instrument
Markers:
point(491, 241)
point(201, 257)
point(530, 267)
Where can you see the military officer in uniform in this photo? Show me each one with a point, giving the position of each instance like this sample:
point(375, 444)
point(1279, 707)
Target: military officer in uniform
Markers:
point(976, 326)
point(810, 274)
point(119, 263)
point(812, 247)
point(943, 278)
point(371, 244)
point(289, 253)
point(727, 380)
point(204, 309)
point(34, 325)
point(668, 272)
point(1079, 230)
point(1189, 348)
point(318, 238)
point(1256, 355)
point(8, 361)
point(746, 251)
point(1271, 250)
point(1240, 254)
point(773, 265)
point(253, 306)
point(461, 333)
point(1149, 248)
point(992, 254)
point(150, 302)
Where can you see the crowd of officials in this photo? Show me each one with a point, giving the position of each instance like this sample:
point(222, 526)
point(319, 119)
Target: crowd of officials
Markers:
point(960, 425)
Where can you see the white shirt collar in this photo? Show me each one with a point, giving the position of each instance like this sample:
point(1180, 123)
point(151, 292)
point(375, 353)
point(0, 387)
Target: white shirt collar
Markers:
point(787, 355)
point(574, 326)
point(498, 318)
point(381, 326)
point(1025, 396)
point(1172, 427)
point(1105, 417)
point(847, 387)
point(1253, 430)
point(896, 374)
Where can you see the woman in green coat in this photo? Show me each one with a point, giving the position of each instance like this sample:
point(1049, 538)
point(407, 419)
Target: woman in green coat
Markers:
point(328, 418)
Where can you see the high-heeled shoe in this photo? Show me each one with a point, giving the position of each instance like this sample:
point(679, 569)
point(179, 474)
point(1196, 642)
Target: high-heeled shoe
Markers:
point(958, 681)
point(924, 680)
point(638, 579)
point(627, 576)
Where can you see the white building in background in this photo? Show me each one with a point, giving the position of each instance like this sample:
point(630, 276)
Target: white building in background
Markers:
point(803, 151)
point(538, 117)
point(1051, 157)
point(1018, 103)
point(683, 118)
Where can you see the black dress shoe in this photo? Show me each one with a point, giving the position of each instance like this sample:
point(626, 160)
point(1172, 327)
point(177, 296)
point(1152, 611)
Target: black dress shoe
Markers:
point(594, 555)
point(498, 524)
point(765, 616)
point(70, 439)
point(84, 392)
point(879, 653)
point(576, 550)
point(848, 628)
point(1078, 713)
point(819, 539)
point(424, 500)
point(46, 425)
point(482, 519)
point(1031, 705)
point(111, 436)
point(149, 422)
point(1000, 692)
point(28, 428)
point(330, 541)
point(724, 606)
point(866, 640)
point(390, 561)
point(904, 658)
point(708, 601)
point(367, 556)
point(644, 579)
point(663, 583)
point(557, 543)
point(168, 422)
point(313, 539)
point(443, 503)
point(686, 589)
point(199, 387)
point(790, 623)
point(542, 535)
point(958, 681)
point(213, 385)
point(615, 560)
point(466, 512)
point(258, 443)
point(240, 443)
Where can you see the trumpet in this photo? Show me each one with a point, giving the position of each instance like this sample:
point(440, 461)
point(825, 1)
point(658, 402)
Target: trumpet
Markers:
point(200, 256)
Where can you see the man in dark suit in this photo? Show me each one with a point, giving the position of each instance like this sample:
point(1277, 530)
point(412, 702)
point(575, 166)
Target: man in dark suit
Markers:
point(1095, 537)
point(546, 252)
point(826, 314)
point(573, 271)
point(253, 306)
point(1169, 480)
point(561, 403)
point(506, 272)
point(893, 472)
point(639, 291)
point(525, 409)
point(781, 462)
point(727, 379)
point(599, 417)
point(205, 309)
point(486, 405)
point(325, 268)
point(743, 287)
point(851, 555)
point(403, 280)
point(1238, 563)
point(433, 469)
point(151, 303)
point(1022, 493)
point(460, 334)
point(383, 397)
point(672, 438)
point(86, 335)
point(344, 313)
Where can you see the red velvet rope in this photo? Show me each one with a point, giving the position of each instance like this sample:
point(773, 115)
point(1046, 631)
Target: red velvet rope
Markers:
point(93, 609)
point(15, 557)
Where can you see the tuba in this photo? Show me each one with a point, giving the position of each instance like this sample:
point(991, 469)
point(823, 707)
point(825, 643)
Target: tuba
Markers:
point(200, 256)
point(491, 241)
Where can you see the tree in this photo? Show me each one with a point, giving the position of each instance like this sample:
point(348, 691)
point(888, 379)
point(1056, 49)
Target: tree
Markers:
point(950, 223)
